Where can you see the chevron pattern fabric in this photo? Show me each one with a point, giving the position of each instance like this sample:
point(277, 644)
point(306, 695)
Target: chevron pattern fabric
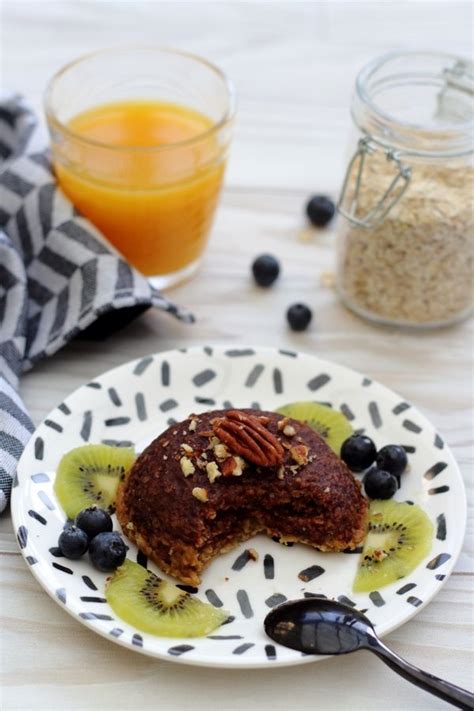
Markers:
point(59, 277)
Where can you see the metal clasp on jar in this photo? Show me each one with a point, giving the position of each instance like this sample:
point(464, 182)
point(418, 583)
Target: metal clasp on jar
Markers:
point(367, 146)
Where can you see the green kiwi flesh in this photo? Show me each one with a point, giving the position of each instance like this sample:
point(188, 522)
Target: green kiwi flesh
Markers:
point(331, 424)
point(90, 475)
point(399, 537)
point(153, 605)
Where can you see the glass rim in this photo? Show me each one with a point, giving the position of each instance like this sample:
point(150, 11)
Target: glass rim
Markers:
point(370, 69)
point(225, 119)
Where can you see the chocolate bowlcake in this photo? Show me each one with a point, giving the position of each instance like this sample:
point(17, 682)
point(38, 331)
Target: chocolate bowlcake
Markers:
point(220, 477)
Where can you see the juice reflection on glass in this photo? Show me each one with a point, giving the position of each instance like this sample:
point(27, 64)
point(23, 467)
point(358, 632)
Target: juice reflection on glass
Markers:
point(143, 157)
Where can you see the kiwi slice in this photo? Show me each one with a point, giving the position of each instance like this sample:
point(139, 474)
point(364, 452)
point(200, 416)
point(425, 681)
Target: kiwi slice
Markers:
point(153, 605)
point(330, 424)
point(90, 475)
point(399, 537)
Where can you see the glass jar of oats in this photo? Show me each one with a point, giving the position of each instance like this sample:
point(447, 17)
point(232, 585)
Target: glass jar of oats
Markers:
point(406, 235)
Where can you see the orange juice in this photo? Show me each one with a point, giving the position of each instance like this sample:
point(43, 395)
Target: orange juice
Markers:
point(148, 175)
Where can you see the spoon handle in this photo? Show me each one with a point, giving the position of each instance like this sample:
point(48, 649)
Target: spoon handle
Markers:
point(444, 689)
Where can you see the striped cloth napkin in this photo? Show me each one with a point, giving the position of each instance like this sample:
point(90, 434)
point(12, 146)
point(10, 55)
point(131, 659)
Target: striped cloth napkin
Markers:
point(59, 277)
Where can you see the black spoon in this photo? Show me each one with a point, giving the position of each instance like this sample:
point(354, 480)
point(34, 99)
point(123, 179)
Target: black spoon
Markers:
point(318, 626)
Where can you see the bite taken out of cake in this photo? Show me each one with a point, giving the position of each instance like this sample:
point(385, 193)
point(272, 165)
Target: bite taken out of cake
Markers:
point(218, 478)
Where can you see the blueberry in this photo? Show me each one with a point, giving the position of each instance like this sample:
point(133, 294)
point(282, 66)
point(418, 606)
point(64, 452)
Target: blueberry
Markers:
point(392, 458)
point(93, 521)
point(358, 452)
point(265, 269)
point(379, 484)
point(299, 317)
point(107, 551)
point(320, 210)
point(73, 542)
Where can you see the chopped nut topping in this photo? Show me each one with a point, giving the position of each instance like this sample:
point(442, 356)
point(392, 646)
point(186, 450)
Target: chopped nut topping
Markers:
point(165, 457)
point(204, 455)
point(175, 433)
point(281, 472)
point(241, 464)
point(327, 490)
point(165, 443)
point(300, 454)
point(264, 419)
point(221, 451)
point(212, 471)
point(200, 463)
point(252, 553)
point(187, 467)
point(289, 431)
point(281, 424)
point(200, 494)
point(192, 425)
point(130, 526)
point(187, 448)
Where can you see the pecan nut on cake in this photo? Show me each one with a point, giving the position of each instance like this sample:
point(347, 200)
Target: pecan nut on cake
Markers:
point(220, 477)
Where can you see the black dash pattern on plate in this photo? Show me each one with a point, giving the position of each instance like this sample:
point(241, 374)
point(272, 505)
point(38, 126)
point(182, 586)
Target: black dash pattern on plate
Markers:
point(86, 425)
point(375, 416)
point(114, 396)
point(142, 365)
point(438, 490)
point(62, 568)
point(346, 600)
point(319, 381)
point(205, 400)
point(239, 352)
point(141, 407)
point(142, 559)
point(411, 426)
point(254, 375)
point(314, 571)
point(438, 561)
point(90, 584)
point(180, 649)
point(409, 448)
point(208, 350)
point(275, 599)
point(244, 604)
point(165, 374)
point(204, 377)
point(31, 560)
point(406, 588)
point(270, 651)
point(116, 632)
point(213, 598)
point(277, 381)
point(438, 442)
point(94, 616)
point(441, 527)
point(92, 598)
point(116, 421)
point(227, 405)
point(401, 407)
point(61, 595)
point(168, 404)
point(290, 354)
point(94, 386)
point(22, 536)
point(118, 442)
point(191, 589)
point(46, 500)
point(242, 648)
point(318, 595)
point(435, 470)
point(242, 560)
point(64, 408)
point(53, 425)
point(347, 412)
point(440, 577)
point(377, 598)
point(39, 448)
point(415, 601)
point(56, 552)
point(269, 567)
point(137, 640)
point(38, 517)
point(366, 382)
point(40, 478)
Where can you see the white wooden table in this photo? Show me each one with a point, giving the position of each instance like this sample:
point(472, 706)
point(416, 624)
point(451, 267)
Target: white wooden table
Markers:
point(294, 65)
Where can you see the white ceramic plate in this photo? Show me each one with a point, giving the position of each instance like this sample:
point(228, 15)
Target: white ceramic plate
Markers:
point(135, 402)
